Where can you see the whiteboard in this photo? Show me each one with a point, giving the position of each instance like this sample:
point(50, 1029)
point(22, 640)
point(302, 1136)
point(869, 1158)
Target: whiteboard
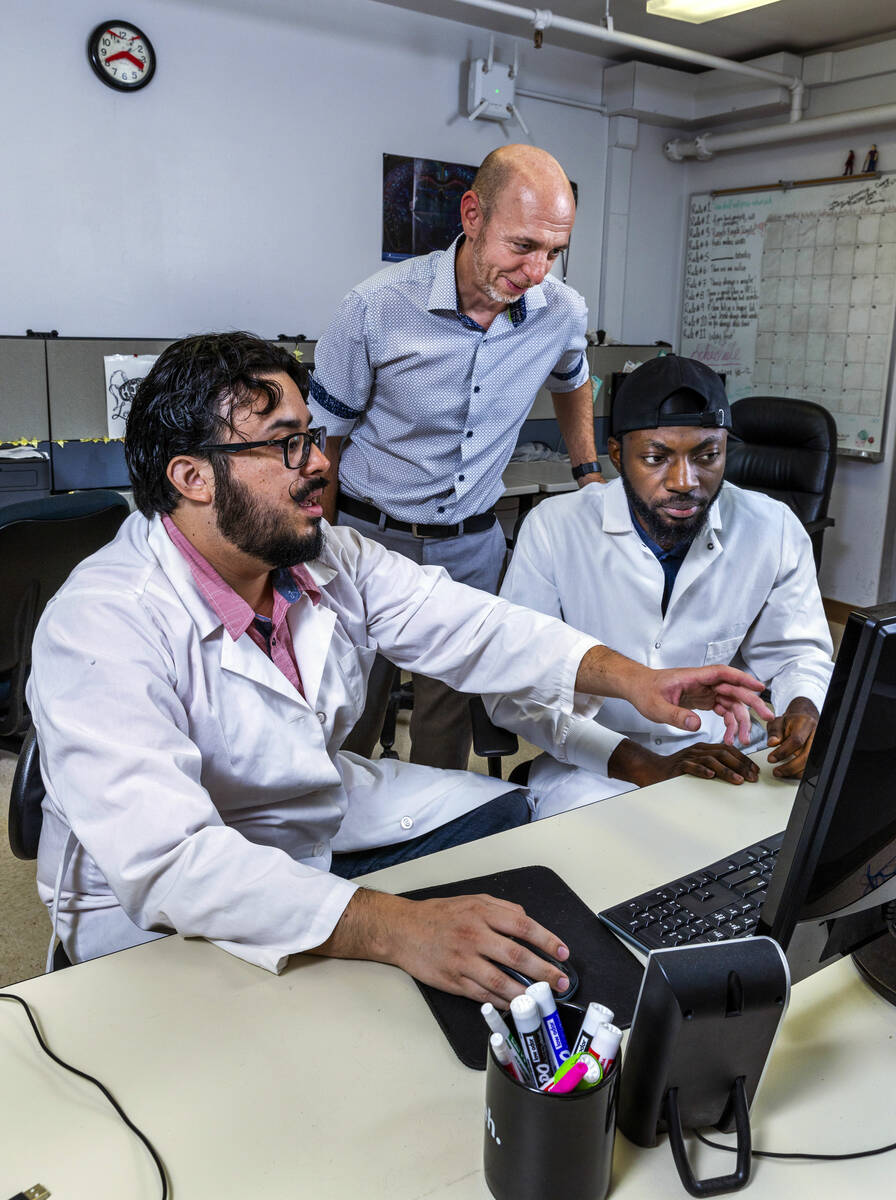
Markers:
point(792, 292)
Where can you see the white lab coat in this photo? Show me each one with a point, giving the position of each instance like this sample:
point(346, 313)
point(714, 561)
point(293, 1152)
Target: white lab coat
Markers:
point(201, 790)
point(746, 594)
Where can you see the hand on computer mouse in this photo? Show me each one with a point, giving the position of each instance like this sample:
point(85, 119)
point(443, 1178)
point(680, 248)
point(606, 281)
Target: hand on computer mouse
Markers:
point(464, 944)
point(566, 967)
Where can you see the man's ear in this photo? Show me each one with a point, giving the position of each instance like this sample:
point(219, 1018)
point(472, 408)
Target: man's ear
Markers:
point(192, 477)
point(614, 449)
point(471, 215)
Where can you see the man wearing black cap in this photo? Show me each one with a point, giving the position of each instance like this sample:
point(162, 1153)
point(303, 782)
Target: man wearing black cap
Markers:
point(670, 565)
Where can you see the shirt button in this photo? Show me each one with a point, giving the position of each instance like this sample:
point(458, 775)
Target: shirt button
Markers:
point(658, 741)
point(461, 478)
point(710, 546)
point(656, 645)
point(407, 822)
point(469, 433)
point(441, 508)
point(476, 389)
point(322, 717)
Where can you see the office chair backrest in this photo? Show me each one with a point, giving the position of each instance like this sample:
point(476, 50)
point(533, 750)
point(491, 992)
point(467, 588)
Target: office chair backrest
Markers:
point(41, 541)
point(25, 798)
point(787, 449)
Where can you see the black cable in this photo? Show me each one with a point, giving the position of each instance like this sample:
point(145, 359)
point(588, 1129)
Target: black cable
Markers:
point(160, 1166)
point(795, 1153)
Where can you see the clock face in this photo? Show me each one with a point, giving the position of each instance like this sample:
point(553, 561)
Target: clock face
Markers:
point(121, 55)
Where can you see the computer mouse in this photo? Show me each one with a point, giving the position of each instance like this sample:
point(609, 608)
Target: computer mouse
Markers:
point(566, 967)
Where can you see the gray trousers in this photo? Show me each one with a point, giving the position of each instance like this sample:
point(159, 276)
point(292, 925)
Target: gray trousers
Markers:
point(440, 719)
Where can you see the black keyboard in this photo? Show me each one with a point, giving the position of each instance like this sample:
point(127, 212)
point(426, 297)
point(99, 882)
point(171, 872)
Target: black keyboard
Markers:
point(713, 904)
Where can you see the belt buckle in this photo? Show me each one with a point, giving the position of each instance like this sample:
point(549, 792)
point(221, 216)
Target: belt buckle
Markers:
point(414, 533)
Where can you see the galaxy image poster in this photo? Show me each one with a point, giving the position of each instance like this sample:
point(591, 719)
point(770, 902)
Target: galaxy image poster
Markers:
point(421, 204)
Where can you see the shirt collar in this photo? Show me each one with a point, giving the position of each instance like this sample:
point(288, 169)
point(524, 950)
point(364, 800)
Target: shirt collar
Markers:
point(234, 613)
point(443, 293)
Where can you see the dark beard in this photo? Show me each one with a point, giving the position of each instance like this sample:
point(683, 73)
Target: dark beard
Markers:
point(263, 534)
point(656, 526)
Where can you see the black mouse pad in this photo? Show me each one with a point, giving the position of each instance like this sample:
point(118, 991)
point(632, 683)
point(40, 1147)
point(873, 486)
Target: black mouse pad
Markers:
point(607, 971)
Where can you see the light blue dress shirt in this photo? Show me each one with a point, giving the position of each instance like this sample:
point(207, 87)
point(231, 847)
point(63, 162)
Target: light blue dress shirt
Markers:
point(431, 402)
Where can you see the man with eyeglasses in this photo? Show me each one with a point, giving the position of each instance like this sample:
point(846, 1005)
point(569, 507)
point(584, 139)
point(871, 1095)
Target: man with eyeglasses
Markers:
point(194, 680)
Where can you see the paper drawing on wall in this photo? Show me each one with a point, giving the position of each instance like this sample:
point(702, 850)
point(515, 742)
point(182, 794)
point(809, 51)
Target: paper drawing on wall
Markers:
point(123, 375)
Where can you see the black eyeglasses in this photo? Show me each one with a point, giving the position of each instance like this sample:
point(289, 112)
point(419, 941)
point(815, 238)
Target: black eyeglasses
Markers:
point(296, 447)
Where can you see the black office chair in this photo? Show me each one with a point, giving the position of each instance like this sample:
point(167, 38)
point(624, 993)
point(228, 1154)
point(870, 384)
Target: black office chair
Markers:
point(41, 541)
point(26, 814)
point(788, 449)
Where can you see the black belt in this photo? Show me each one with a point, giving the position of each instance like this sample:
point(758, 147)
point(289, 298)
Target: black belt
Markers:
point(368, 512)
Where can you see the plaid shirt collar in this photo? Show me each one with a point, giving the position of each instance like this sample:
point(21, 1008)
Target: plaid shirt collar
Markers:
point(234, 613)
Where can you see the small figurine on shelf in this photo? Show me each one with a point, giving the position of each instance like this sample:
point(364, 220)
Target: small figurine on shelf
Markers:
point(871, 159)
point(850, 163)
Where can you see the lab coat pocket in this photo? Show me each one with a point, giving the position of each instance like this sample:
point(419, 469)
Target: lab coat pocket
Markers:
point(346, 702)
point(722, 651)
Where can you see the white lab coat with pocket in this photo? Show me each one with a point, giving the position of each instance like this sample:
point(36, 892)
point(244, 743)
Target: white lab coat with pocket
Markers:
point(746, 594)
point(190, 787)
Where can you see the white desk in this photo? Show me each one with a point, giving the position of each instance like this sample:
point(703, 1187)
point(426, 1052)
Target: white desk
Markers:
point(334, 1081)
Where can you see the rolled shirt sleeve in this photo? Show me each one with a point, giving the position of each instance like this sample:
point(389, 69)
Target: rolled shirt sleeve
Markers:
point(342, 381)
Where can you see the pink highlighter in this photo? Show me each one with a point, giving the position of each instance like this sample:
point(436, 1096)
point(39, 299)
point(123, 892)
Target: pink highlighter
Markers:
point(568, 1081)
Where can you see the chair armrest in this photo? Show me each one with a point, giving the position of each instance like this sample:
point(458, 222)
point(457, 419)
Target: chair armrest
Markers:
point(816, 526)
point(489, 741)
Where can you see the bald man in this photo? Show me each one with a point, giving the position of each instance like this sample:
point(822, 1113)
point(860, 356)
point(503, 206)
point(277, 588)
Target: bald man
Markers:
point(423, 380)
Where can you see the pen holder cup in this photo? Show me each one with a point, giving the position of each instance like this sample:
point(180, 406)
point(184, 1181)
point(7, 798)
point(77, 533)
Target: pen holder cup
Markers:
point(539, 1145)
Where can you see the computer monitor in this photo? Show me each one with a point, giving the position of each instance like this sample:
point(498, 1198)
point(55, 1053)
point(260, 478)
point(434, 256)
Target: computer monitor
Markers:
point(836, 871)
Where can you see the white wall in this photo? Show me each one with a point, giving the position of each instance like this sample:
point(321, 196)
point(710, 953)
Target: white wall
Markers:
point(858, 561)
point(242, 186)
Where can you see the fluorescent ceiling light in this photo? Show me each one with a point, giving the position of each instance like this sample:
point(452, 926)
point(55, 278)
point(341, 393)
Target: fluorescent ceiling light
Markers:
point(698, 11)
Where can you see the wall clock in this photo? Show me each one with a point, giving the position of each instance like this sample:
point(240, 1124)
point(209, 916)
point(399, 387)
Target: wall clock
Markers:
point(121, 55)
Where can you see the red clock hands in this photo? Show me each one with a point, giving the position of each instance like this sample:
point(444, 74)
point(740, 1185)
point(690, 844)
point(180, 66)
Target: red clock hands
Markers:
point(126, 54)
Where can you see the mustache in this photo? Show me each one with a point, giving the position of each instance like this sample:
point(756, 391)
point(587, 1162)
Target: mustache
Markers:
point(299, 492)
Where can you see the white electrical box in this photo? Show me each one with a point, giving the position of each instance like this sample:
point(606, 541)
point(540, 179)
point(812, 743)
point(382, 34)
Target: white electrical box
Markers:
point(491, 90)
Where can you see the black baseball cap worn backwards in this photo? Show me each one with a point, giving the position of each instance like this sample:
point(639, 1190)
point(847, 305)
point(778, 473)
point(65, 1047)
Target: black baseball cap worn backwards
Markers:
point(670, 391)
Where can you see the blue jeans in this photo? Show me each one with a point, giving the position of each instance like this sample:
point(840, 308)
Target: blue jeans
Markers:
point(504, 812)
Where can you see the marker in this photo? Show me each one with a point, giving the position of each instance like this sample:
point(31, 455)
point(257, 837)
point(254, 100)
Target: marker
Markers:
point(595, 1014)
point(547, 1006)
point(535, 1044)
point(505, 1058)
point(594, 1072)
point(497, 1024)
point(593, 1075)
point(605, 1045)
point(569, 1081)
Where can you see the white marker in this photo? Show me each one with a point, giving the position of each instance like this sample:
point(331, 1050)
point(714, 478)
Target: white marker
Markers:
point(595, 1014)
point(505, 1058)
point(497, 1024)
point(605, 1045)
point(535, 1044)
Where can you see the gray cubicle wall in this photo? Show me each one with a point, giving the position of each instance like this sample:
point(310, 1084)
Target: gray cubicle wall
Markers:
point(77, 381)
point(24, 408)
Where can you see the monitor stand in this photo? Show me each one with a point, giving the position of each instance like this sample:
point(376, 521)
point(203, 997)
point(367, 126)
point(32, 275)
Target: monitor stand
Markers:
point(876, 964)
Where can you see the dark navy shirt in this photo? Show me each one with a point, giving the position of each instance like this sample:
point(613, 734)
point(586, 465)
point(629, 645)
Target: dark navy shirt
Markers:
point(669, 560)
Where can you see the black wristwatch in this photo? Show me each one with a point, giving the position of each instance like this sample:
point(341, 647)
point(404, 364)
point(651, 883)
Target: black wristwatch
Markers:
point(589, 468)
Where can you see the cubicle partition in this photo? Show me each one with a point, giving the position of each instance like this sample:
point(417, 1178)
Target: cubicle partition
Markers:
point(53, 396)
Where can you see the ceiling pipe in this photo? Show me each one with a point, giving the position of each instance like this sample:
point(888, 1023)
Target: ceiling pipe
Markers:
point(705, 145)
point(598, 108)
point(542, 19)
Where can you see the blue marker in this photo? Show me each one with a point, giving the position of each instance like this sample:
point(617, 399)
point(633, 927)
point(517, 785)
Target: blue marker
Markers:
point(557, 1043)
